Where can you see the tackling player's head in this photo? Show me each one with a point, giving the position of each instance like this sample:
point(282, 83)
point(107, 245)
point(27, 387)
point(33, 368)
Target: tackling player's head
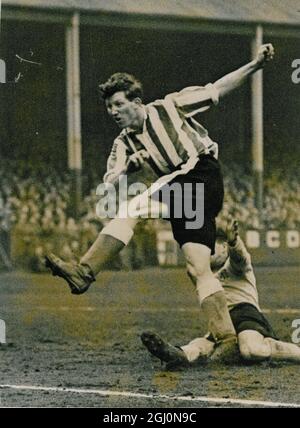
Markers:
point(123, 94)
point(221, 251)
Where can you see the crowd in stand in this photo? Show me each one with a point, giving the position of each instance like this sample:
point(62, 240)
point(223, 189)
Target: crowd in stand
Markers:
point(37, 204)
point(281, 200)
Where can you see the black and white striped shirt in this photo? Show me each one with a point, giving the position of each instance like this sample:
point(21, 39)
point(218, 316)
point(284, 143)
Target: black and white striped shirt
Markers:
point(170, 134)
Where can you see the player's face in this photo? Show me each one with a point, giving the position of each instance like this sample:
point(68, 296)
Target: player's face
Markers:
point(123, 111)
point(220, 256)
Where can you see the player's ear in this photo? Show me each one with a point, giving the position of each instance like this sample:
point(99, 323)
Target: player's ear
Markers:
point(138, 101)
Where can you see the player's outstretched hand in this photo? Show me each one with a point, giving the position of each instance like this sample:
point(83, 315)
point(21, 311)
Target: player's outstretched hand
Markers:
point(136, 160)
point(232, 231)
point(265, 54)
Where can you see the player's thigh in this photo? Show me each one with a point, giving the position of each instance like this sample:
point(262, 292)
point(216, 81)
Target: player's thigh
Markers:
point(252, 345)
point(197, 258)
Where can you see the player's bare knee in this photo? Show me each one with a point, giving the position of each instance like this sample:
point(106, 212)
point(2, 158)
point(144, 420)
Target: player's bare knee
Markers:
point(251, 352)
point(253, 347)
point(246, 351)
point(195, 271)
point(198, 271)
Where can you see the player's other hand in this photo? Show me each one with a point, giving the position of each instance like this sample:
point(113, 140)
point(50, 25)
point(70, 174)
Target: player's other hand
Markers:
point(265, 54)
point(232, 231)
point(136, 160)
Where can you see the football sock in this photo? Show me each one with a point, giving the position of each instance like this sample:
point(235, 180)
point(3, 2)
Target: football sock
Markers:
point(112, 239)
point(104, 249)
point(219, 322)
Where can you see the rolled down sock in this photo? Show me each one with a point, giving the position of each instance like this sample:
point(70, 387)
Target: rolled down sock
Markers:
point(216, 312)
point(112, 239)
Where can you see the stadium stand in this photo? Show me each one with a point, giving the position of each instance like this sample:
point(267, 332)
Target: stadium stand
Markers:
point(35, 206)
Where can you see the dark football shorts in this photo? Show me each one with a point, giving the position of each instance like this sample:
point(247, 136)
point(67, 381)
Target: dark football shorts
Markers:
point(247, 317)
point(208, 172)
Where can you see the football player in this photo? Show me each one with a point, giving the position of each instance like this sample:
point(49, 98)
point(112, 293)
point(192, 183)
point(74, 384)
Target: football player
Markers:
point(165, 136)
point(256, 338)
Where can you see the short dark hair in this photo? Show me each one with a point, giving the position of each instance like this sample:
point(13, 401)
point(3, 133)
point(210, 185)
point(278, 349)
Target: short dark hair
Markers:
point(122, 82)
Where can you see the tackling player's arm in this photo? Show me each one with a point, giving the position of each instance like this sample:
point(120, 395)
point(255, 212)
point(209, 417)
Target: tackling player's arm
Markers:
point(239, 257)
point(235, 79)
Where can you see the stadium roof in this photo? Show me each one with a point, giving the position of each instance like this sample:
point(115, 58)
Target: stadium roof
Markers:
point(247, 11)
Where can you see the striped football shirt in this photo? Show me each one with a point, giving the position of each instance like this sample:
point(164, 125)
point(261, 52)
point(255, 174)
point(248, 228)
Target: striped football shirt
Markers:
point(170, 135)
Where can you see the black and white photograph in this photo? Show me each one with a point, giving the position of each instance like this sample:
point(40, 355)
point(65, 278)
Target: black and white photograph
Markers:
point(149, 206)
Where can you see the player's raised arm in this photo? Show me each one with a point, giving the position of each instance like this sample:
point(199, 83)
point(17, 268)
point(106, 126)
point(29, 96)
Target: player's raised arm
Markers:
point(194, 99)
point(235, 79)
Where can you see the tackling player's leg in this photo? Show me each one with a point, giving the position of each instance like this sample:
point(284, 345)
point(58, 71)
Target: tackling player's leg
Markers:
point(172, 355)
point(255, 347)
point(212, 299)
point(198, 350)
